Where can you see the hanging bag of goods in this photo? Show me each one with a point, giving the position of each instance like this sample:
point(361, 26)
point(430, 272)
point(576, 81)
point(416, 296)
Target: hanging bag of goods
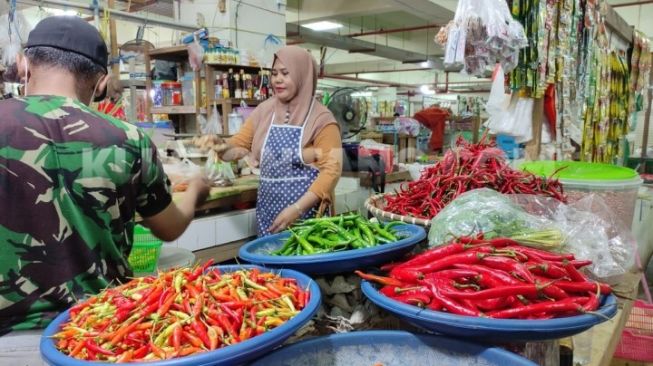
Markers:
point(483, 33)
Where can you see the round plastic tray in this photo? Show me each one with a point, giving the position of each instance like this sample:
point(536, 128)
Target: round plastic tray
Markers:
point(389, 348)
point(492, 329)
point(339, 262)
point(230, 355)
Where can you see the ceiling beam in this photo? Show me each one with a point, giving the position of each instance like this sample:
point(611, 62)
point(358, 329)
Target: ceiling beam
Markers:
point(294, 32)
point(393, 30)
point(634, 3)
point(425, 9)
point(316, 10)
point(383, 66)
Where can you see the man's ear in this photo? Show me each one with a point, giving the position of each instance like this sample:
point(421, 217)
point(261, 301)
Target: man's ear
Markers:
point(21, 67)
point(102, 85)
point(101, 89)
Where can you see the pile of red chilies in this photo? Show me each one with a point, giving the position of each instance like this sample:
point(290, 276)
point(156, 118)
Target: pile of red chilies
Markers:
point(495, 278)
point(178, 313)
point(468, 167)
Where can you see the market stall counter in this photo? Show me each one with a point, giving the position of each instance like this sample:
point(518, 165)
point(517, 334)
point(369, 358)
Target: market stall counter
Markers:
point(227, 216)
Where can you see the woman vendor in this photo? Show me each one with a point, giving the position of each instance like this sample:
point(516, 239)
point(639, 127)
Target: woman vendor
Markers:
point(294, 140)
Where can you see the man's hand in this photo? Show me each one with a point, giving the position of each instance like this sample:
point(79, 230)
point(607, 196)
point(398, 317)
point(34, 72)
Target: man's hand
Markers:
point(201, 186)
point(284, 219)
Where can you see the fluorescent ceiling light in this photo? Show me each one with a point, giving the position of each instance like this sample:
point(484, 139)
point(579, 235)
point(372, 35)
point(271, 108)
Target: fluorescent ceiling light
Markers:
point(322, 26)
point(426, 90)
point(361, 94)
point(58, 12)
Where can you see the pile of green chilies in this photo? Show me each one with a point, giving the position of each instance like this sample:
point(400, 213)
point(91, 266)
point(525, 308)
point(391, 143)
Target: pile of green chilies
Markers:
point(337, 233)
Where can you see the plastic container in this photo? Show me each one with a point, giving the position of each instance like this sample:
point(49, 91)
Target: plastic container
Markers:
point(488, 329)
point(617, 186)
point(157, 93)
point(338, 262)
point(389, 348)
point(145, 250)
point(172, 93)
point(236, 354)
point(637, 336)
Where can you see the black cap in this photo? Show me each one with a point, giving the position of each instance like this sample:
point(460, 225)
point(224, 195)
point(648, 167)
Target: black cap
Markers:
point(72, 34)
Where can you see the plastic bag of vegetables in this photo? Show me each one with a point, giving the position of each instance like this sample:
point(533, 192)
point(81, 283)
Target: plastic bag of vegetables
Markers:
point(494, 214)
point(586, 228)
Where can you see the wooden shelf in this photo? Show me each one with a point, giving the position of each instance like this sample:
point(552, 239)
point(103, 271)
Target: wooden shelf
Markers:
point(136, 83)
point(174, 53)
point(235, 67)
point(238, 100)
point(181, 109)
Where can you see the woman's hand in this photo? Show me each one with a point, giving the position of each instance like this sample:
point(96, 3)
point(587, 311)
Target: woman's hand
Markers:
point(211, 142)
point(285, 218)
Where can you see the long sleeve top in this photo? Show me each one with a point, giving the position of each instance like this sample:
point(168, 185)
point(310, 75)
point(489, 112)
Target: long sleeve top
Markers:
point(324, 153)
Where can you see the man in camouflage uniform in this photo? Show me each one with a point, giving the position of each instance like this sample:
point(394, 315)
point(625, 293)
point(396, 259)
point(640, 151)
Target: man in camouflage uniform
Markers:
point(71, 180)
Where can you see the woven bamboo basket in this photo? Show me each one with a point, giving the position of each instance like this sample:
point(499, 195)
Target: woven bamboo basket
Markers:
point(376, 203)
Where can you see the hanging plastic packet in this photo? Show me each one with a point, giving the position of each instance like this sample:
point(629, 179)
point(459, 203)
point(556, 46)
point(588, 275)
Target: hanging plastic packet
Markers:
point(219, 172)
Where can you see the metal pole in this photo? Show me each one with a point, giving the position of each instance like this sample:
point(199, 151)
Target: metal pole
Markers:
point(114, 13)
point(647, 122)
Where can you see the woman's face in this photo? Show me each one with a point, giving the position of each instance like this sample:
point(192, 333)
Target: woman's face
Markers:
point(284, 88)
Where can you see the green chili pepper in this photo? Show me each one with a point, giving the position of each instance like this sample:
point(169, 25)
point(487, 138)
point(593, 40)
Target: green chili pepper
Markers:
point(384, 233)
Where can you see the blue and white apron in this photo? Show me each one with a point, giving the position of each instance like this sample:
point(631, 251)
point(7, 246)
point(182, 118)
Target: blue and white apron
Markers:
point(284, 175)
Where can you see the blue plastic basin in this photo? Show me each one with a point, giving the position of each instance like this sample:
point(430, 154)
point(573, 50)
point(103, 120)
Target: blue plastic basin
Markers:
point(489, 329)
point(231, 355)
point(257, 252)
point(389, 348)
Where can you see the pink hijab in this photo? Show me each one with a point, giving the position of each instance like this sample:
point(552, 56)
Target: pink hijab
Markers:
point(302, 69)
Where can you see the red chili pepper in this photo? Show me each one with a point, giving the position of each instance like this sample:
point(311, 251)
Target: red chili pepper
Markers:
point(449, 304)
point(166, 304)
point(509, 265)
point(90, 345)
point(199, 270)
point(582, 287)
point(574, 274)
point(453, 274)
point(417, 299)
point(524, 290)
point(194, 340)
point(141, 352)
point(494, 304)
point(495, 274)
point(201, 332)
point(176, 337)
point(548, 269)
point(542, 307)
point(580, 264)
point(541, 254)
point(386, 281)
point(228, 326)
point(434, 254)
point(446, 262)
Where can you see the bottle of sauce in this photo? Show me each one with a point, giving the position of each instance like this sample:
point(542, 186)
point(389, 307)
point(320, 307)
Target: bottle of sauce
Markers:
point(238, 91)
point(232, 84)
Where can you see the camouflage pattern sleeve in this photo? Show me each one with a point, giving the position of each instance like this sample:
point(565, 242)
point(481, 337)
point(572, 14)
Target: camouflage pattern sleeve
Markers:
point(154, 187)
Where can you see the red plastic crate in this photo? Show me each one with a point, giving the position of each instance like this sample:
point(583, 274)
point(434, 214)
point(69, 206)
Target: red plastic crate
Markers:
point(636, 342)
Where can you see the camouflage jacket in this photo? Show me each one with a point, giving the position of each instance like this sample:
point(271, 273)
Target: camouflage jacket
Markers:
point(71, 180)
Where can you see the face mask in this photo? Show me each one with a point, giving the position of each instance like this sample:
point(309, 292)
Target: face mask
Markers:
point(26, 73)
point(102, 95)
